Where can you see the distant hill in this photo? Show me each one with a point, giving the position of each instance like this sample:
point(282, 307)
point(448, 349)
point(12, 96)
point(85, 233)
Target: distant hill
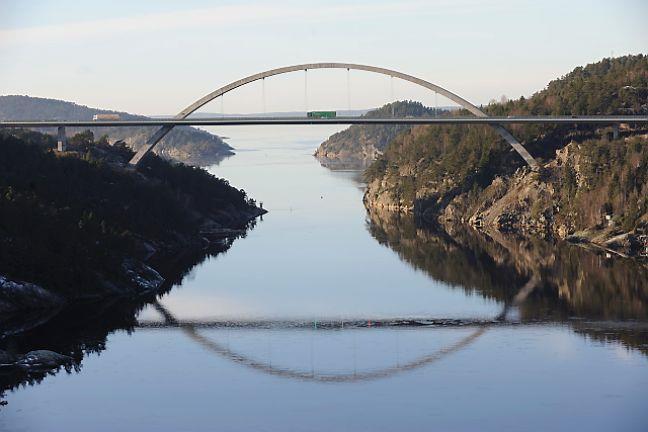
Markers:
point(366, 142)
point(184, 144)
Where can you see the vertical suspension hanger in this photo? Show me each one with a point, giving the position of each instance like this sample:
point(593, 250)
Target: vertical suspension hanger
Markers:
point(391, 95)
point(306, 91)
point(264, 94)
point(348, 92)
point(436, 104)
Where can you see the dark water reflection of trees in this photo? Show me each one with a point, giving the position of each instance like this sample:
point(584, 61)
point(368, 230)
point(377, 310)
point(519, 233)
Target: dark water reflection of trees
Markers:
point(600, 296)
point(83, 329)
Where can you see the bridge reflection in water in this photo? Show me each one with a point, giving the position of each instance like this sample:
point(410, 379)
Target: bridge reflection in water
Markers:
point(191, 329)
point(599, 297)
point(537, 283)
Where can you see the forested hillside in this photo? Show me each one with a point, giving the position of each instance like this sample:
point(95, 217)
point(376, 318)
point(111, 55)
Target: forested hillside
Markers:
point(367, 142)
point(457, 171)
point(80, 225)
point(184, 144)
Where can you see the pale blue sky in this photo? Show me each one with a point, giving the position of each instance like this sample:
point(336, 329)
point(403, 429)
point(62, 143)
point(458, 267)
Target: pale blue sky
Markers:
point(154, 57)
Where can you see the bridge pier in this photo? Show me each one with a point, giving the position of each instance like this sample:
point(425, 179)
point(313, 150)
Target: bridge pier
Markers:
point(62, 139)
point(615, 131)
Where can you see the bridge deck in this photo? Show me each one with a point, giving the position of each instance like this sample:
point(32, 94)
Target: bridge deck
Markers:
point(234, 121)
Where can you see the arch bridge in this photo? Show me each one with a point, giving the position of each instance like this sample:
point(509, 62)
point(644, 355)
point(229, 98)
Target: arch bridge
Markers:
point(165, 129)
point(478, 116)
point(478, 328)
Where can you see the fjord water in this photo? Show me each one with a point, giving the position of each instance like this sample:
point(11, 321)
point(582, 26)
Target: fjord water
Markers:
point(265, 347)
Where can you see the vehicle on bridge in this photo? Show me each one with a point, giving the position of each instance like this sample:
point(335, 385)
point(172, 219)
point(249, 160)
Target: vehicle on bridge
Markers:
point(105, 117)
point(321, 114)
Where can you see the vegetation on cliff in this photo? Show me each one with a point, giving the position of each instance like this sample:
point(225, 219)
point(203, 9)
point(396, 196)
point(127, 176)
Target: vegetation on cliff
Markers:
point(367, 142)
point(80, 225)
point(434, 169)
point(184, 144)
point(596, 189)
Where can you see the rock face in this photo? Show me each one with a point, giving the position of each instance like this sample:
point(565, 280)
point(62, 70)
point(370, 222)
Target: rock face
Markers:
point(593, 184)
point(144, 277)
point(381, 194)
point(521, 204)
point(541, 204)
point(364, 143)
point(43, 359)
point(568, 199)
point(37, 360)
point(16, 295)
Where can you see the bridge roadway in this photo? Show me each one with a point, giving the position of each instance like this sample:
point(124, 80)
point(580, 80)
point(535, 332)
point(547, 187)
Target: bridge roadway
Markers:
point(182, 118)
point(243, 121)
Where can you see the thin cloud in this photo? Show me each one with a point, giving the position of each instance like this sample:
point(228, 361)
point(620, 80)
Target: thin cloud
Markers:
point(225, 16)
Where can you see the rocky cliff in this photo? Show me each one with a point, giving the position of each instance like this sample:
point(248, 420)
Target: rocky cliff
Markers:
point(365, 143)
point(592, 186)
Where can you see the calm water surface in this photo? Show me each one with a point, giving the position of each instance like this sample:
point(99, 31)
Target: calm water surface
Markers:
point(287, 330)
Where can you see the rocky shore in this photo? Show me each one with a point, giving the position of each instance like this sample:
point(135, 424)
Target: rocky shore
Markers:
point(138, 275)
point(86, 242)
point(359, 145)
point(528, 204)
point(593, 184)
point(80, 226)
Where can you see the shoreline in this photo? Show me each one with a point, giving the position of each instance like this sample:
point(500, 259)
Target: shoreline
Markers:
point(583, 239)
point(148, 276)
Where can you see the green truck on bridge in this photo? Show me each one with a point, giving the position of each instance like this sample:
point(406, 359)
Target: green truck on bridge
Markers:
point(321, 114)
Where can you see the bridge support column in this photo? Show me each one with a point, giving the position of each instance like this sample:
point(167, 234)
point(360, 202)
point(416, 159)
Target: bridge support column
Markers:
point(62, 139)
point(615, 131)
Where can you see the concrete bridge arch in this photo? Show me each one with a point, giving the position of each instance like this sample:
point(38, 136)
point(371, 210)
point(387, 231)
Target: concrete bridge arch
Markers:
point(161, 133)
